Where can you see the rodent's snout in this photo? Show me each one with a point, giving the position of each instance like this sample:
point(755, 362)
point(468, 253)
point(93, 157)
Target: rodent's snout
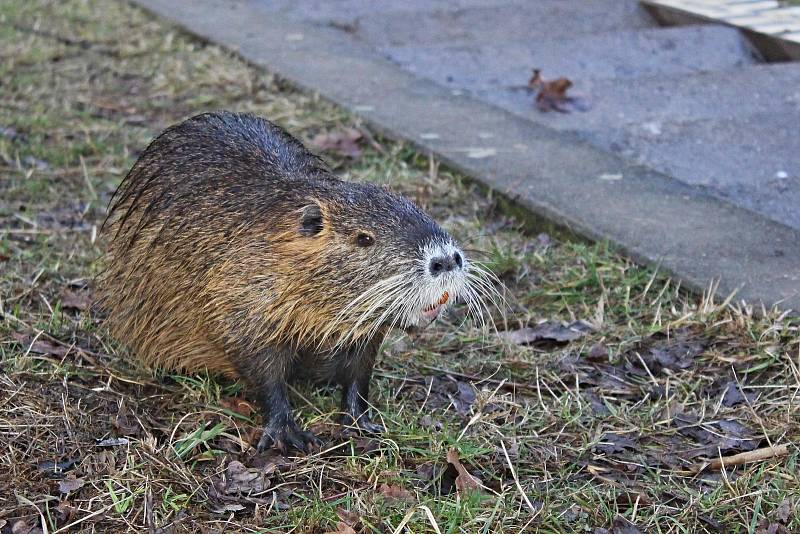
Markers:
point(445, 263)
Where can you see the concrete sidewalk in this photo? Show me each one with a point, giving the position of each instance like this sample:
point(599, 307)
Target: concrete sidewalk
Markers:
point(686, 157)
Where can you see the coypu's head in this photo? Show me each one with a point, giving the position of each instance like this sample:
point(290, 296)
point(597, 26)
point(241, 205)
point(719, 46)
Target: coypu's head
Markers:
point(390, 261)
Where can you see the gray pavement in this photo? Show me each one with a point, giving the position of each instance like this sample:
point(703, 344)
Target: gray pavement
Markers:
point(620, 55)
point(688, 155)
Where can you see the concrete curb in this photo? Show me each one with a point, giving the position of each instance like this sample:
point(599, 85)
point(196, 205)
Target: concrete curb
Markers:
point(554, 175)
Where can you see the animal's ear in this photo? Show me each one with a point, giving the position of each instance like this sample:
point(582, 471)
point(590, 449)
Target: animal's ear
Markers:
point(311, 220)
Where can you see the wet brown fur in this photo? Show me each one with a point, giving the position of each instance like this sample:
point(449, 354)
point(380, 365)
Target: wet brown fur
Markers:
point(210, 266)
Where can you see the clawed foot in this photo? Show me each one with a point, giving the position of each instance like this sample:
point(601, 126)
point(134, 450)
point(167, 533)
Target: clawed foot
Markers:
point(362, 424)
point(285, 436)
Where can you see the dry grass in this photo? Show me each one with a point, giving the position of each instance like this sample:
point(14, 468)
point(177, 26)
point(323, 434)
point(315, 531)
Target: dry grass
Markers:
point(605, 429)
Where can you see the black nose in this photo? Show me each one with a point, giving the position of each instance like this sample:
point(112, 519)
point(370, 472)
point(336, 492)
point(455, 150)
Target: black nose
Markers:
point(443, 264)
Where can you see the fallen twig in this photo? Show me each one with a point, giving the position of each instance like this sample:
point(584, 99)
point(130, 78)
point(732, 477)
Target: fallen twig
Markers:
point(757, 455)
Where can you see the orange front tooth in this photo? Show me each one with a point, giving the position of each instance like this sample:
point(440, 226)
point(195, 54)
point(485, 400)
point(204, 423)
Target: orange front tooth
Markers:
point(444, 298)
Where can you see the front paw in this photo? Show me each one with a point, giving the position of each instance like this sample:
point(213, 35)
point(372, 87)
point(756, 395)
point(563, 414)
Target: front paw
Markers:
point(285, 436)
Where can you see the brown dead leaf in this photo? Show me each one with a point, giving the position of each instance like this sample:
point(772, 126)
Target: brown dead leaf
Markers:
point(342, 528)
point(598, 353)
point(46, 347)
point(676, 352)
point(623, 526)
point(252, 435)
point(40, 346)
point(427, 471)
point(784, 511)
point(99, 463)
point(22, 527)
point(395, 493)
point(552, 95)
point(464, 480)
point(765, 527)
point(125, 422)
point(732, 393)
point(348, 517)
point(348, 524)
point(343, 142)
point(724, 436)
point(466, 397)
point(80, 300)
point(240, 479)
point(65, 512)
point(611, 443)
point(19, 337)
point(237, 405)
point(240, 485)
point(547, 331)
point(70, 483)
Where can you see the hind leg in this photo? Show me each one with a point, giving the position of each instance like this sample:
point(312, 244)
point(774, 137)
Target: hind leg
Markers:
point(267, 378)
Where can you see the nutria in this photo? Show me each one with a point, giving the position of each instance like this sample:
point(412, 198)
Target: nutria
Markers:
point(232, 248)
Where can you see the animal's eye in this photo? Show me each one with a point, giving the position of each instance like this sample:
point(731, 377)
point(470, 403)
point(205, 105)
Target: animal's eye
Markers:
point(364, 240)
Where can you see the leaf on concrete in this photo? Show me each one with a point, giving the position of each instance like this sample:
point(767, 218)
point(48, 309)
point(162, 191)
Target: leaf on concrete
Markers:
point(552, 94)
point(464, 480)
point(344, 142)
